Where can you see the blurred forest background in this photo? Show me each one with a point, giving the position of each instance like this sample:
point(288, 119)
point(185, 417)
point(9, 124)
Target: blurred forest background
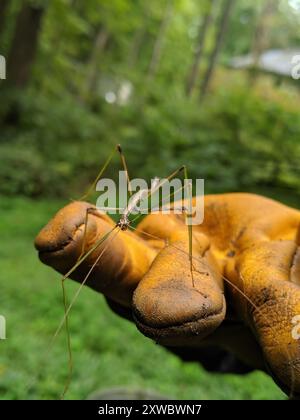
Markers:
point(154, 76)
point(157, 77)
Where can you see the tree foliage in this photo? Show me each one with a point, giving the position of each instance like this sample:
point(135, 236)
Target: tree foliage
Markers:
point(105, 72)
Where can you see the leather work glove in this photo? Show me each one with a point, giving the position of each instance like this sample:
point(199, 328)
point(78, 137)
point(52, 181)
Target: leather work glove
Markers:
point(243, 296)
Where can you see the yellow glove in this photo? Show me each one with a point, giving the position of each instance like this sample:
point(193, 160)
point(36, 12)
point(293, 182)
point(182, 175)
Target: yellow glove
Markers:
point(243, 293)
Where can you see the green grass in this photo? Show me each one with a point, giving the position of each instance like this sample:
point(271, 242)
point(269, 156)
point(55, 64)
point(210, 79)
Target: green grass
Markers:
point(108, 351)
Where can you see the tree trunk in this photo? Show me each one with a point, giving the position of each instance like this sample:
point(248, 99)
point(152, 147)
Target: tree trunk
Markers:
point(24, 45)
point(93, 64)
point(3, 10)
point(260, 36)
point(136, 46)
point(158, 44)
point(203, 30)
point(224, 18)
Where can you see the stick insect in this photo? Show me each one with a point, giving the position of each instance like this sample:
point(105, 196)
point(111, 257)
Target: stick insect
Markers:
point(124, 223)
point(121, 225)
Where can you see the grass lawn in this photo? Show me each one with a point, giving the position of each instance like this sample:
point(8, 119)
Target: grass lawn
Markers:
point(108, 351)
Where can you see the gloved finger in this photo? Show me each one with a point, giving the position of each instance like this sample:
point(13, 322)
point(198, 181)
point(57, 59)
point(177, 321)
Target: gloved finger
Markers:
point(167, 306)
point(266, 274)
point(124, 262)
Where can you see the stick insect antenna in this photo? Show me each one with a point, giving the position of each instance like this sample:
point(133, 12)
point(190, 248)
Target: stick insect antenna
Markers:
point(123, 160)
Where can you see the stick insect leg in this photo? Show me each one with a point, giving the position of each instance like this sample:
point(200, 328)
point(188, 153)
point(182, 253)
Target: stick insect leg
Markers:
point(69, 344)
point(105, 237)
point(82, 257)
point(65, 304)
point(101, 172)
point(189, 222)
point(65, 320)
point(188, 214)
point(87, 254)
point(104, 167)
point(67, 309)
point(89, 211)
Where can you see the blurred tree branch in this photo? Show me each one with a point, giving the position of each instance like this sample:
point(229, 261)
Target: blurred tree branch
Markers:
point(222, 29)
point(203, 29)
point(158, 44)
point(91, 79)
point(3, 10)
point(24, 45)
point(136, 46)
point(261, 35)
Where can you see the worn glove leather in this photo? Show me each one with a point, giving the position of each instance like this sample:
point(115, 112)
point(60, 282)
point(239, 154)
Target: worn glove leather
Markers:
point(251, 241)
